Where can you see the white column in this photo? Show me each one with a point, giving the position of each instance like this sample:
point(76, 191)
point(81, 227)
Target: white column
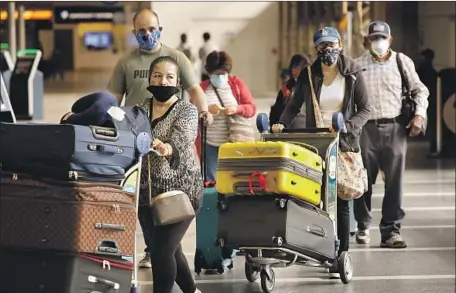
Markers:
point(12, 30)
point(21, 25)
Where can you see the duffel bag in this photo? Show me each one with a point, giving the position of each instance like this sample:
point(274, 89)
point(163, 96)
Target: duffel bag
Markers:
point(66, 151)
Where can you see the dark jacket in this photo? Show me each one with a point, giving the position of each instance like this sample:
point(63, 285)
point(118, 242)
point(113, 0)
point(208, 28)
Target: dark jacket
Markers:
point(355, 106)
point(280, 103)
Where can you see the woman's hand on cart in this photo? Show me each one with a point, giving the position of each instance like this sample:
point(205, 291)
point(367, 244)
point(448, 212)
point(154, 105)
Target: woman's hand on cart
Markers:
point(277, 128)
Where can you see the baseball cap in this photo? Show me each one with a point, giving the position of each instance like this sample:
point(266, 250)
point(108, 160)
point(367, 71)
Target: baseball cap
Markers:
point(379, 28)
point(326, 34)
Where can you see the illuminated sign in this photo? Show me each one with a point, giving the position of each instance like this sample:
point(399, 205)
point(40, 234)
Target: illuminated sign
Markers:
point(78, 14)
point(29, 15)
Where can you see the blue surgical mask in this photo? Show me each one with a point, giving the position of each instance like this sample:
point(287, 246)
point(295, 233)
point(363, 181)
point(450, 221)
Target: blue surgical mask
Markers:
point(148, 42)
point(219, 80)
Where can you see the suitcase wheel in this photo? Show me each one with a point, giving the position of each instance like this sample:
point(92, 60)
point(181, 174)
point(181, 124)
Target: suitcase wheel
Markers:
point(220, 242)
point(267, 280)
point(345, 267)
point(277, 241)
point(220, 268)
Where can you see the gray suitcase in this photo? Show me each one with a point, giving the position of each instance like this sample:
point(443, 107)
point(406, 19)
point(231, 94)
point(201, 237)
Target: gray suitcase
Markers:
point(66, 151)
point(268, 221)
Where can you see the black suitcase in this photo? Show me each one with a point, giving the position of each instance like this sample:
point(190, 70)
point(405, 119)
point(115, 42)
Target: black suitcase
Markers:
point(49, 272)
point(66, 151)
point(268, 221)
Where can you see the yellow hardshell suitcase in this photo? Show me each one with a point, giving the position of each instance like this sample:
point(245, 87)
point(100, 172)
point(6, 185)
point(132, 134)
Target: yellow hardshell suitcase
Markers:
point(293, 169)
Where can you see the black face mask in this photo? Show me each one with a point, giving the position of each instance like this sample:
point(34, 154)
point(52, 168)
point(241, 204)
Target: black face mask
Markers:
point(329, 56)
point(162, 93)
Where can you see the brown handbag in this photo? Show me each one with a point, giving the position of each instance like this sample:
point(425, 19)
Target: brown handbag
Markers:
point(170, 207)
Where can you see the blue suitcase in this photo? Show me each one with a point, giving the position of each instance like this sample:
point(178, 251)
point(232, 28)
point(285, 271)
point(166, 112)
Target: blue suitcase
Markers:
point(208, 255)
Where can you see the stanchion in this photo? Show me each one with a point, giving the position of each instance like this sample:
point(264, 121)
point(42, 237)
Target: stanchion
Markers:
point(439, 116)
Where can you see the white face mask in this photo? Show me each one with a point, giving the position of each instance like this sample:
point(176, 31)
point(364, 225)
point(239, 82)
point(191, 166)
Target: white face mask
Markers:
point(380, 47)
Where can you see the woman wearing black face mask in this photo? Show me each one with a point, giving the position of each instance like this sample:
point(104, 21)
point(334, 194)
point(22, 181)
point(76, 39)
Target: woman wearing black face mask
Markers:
point(339, 87)
point(173, 167)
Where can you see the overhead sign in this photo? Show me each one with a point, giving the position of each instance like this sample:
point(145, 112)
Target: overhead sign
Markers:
point(77, 14)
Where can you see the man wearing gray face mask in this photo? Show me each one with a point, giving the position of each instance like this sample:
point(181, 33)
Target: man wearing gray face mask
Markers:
point(384, 137)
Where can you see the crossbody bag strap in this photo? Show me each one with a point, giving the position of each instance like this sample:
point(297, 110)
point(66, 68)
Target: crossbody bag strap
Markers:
point(317, 112)
point(218, 96)
point(404, 79)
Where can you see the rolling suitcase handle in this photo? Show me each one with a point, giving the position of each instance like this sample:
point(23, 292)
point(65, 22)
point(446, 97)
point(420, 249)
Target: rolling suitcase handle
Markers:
point(203, 159)
point(94, 280)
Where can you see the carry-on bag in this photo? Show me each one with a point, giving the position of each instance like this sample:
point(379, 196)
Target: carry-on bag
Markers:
point(294, 169)
point(50, 272)
point(208, 255)
point(66, 151)
point(282, 222)
point(66, 216)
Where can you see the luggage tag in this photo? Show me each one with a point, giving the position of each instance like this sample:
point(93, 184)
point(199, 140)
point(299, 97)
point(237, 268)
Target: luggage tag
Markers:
point(116, 113)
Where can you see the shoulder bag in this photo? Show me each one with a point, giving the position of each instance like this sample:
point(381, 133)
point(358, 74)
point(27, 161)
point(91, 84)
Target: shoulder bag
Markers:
point(240, 128)
point(351, 174)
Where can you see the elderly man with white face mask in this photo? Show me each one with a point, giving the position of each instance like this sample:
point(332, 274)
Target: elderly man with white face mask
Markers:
point(384, 137)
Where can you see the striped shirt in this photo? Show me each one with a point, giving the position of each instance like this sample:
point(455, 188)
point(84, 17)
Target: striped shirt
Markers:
point(217, 132)
point(384, 85)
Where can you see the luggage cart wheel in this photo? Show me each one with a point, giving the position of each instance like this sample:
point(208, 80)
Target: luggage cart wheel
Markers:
point(251, 273)
point(231, 266)
point(135, 289)
point(267, 280)
point(345, 266)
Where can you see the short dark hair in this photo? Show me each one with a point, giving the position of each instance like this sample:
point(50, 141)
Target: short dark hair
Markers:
point(163, 59)
point(218, 60)
point(144, 10)
point(297, 60)
point(206, 36)
point(428, 54)
point(183, 38)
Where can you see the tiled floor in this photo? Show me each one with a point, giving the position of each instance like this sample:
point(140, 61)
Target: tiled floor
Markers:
point(427, 265)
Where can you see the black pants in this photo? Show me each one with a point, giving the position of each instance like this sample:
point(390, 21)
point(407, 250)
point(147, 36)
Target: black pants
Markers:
point(169, 264)
point(384, 147)
point(343, 224)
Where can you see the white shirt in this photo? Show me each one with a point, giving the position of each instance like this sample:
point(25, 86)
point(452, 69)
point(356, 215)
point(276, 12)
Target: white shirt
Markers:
point(217, 132)
point(331, 98)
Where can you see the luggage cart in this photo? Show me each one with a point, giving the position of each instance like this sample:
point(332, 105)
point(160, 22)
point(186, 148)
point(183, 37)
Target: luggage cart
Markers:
point(131, 184)
point(260, 261)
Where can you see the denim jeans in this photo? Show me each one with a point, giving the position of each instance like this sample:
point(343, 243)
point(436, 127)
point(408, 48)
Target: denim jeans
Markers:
point(211, 162)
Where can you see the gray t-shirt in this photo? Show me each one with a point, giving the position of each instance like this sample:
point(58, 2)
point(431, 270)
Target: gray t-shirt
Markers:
point(131, 73)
